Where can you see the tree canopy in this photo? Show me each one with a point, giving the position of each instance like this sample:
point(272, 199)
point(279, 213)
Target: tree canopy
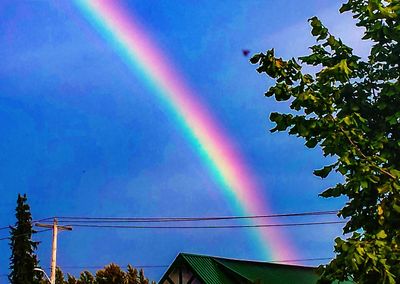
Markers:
point(350, 108)
point(110, 274)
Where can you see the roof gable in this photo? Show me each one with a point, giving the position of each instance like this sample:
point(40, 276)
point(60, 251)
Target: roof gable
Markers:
point(217, 270)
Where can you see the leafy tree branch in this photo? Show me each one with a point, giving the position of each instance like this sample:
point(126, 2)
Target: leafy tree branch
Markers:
point(350, 108)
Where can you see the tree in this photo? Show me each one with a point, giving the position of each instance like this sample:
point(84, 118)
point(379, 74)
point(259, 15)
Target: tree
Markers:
point(351, 109)
point(142, 278)
point(71, 279)
point(111, 274)
point(23, 259)
point(86, 278)
point(132, 276)
point(60, 276)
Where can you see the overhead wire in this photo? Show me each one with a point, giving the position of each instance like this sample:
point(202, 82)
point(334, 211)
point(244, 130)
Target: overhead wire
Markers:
point(113, 222)
point(80, 219)
point(92, 222)
point(33, 221)
point(21, 235)
point(300, 260)
point(85, 219)
point(166, 265)
point(206, 227)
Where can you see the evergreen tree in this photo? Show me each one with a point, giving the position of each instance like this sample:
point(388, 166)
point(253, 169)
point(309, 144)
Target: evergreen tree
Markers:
point(142, 278)
point(71, 279)
point(86, 278)
point(23, 259)
point(111, 274)
point(60, 276)
point(132, 275)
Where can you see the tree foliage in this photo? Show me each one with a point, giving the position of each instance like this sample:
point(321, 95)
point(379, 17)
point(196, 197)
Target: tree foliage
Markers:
point(132, 276)
point(351, 109)
point(142, 278)
point(23, 259)
point(86, 278)
point(110, 274)
point(59, 276)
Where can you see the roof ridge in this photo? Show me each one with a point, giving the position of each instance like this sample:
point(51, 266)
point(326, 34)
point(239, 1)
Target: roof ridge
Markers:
point(250, 261)
point(193, 260)
point(233, 271)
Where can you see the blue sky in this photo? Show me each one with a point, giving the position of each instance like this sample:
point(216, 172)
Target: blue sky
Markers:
point(82, 136)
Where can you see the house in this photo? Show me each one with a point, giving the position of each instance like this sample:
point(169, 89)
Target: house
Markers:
point(202, 269)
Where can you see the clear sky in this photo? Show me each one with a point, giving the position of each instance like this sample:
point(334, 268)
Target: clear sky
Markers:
point(84, 135)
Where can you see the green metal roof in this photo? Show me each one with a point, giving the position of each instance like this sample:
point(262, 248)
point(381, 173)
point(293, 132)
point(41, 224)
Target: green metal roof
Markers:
point(217, 270)
point(263, 272)
point(206, 268)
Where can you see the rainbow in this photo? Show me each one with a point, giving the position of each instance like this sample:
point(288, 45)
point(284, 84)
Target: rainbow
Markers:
point(139, 52)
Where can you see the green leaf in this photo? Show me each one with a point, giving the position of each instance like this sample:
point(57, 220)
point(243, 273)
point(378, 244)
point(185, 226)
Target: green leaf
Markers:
point(311, 143)
point(347, 120)
point(395, 172)
point(331, 192)
point(381, 235)
point(317, 28)
point(360, 250)
point(256, 58)
point(384, 188)
point(345, 7)
point(396, 208)
point(344, 67)
point(324, 172)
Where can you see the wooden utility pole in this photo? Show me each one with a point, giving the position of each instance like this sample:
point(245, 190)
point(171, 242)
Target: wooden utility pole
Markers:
point(55, 227)
point(54, 252)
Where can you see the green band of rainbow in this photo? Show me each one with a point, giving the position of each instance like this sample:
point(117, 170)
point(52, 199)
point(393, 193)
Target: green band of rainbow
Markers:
point(209, 140)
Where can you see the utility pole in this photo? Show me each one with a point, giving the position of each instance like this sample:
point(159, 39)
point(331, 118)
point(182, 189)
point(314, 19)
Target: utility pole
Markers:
point(55, 227)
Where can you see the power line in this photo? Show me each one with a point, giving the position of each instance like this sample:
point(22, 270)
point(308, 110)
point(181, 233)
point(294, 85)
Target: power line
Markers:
point(166, 265)
point(84, 219)
point(191, 227)
point(100, 267)
point(42, 220)
point(207, 227)
point(301, 260)
point(21, 235)
point(33, 221)
point(80, 219)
